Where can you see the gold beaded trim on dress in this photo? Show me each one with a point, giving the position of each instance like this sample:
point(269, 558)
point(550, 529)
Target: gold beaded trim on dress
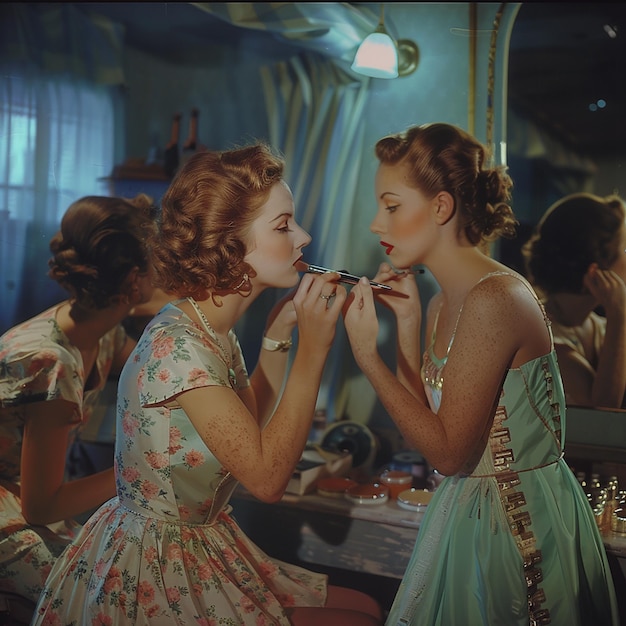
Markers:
point(432, 374)
point(513, 499)
point(514, 502)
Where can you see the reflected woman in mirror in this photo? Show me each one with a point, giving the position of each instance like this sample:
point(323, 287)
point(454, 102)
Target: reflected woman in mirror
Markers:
point(509, 536)
point(576, 259)
point(191, 423)
point(53, 369)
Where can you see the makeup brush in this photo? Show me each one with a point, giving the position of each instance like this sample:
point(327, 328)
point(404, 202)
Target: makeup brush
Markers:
point(344, 276)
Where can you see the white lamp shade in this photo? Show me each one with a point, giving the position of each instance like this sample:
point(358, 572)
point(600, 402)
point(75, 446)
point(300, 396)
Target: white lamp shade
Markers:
point(377, 57)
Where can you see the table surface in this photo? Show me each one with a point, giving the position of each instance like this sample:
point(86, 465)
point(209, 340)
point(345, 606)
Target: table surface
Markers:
point(371, 541)
point(386, 513)
point(389, 513)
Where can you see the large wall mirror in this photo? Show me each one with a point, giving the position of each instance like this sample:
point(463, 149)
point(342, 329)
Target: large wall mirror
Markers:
point(566, 98)
point(566, 128)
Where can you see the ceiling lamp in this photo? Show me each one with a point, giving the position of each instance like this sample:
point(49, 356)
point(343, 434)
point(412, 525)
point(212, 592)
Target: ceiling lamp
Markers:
point(378, 55)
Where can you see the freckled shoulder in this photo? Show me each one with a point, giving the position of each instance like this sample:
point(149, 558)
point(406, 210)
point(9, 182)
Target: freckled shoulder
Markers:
point(507, 294)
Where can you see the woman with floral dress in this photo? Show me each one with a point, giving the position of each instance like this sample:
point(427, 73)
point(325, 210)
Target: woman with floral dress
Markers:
point(52, 369)
point(191, 423)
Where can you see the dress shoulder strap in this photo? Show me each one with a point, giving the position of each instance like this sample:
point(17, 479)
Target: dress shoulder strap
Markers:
point(530, 288)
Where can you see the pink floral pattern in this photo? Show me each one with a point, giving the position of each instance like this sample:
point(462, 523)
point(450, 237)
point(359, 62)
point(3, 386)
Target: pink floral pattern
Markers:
point(38, 363)
point(165, 549)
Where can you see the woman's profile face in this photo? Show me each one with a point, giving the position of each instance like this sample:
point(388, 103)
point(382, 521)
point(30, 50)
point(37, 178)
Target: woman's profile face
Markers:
point(275, 240)
point(404, 218)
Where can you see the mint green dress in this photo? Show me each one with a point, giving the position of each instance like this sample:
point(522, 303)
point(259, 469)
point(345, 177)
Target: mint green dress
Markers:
point(515, 542)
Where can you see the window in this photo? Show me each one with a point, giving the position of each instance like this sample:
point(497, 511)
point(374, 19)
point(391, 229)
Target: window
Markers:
point(56, 140)
point(56, 145)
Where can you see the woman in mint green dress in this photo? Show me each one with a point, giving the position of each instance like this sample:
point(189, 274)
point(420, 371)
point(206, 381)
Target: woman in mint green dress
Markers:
point(509, 538)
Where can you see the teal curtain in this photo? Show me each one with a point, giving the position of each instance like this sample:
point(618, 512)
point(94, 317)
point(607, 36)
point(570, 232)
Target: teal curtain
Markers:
point(315, 111)
point(332, 29)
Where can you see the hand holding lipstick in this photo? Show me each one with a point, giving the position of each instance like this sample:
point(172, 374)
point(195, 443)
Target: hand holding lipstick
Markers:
point(361, 322)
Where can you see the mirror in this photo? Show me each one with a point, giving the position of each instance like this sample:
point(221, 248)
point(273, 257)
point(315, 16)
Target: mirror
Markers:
point(566, 130)
point(594, 434)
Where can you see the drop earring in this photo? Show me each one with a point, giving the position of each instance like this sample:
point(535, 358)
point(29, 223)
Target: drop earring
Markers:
point(244, 287)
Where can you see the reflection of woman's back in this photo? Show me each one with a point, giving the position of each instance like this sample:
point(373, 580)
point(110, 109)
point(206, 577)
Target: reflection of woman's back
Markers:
point(53, 369)
point(576, 259)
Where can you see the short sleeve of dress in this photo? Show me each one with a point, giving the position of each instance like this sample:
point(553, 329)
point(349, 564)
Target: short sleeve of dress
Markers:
point(176, 356)
point(38, 365)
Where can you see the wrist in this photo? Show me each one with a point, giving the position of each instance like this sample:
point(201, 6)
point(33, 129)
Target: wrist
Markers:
point(276, 345)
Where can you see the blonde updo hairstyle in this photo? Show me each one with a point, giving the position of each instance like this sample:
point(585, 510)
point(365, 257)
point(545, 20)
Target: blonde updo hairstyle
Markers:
point(100, 241)
point(206, 214)
point(441, 157)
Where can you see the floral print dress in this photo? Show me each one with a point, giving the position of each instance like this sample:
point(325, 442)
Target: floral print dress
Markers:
point(165, 550)
point(37, 364)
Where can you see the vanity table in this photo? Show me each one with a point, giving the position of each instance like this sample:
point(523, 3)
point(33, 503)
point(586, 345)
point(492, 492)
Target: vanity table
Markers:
point(373, 539)
point(367, 546)
point(331, 532)
point(373, 542)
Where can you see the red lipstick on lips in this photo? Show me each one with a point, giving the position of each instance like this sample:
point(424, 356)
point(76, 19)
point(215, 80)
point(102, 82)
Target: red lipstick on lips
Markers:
point(388, 246)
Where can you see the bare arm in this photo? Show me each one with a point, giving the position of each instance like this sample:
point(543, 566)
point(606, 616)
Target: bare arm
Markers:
point(269, 374)
point(46, 498)
point(263, 459)
point(498, 325)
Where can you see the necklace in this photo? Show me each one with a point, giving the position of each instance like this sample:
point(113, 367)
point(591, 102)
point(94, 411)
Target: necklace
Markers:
point(232, 378)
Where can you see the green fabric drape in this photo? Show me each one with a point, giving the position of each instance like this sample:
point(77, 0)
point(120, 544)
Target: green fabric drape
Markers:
point(332, 29)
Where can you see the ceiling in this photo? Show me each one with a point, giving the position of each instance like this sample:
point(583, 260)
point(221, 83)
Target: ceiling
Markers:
point(180, 32)
point(562, 59)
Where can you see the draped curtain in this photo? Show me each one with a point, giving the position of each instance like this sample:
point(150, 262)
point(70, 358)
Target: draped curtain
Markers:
point(315, 120)
point(57, 138)
point(332, 29)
